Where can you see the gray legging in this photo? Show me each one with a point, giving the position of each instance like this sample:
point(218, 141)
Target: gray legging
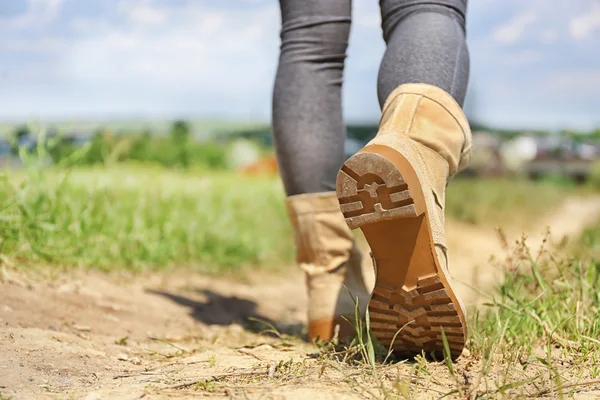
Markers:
point(425, 44)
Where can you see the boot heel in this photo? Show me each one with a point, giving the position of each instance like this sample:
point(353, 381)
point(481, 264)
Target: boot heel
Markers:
point(370, 188)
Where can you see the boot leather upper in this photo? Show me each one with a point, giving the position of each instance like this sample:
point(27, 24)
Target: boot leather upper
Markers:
point(429, 128)
point(327, 253)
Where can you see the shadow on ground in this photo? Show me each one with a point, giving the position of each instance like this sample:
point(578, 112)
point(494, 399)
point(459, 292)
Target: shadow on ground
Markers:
point(222, 310)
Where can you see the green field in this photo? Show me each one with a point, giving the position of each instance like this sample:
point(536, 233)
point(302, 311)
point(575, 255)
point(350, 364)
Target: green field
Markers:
point(140, 217)
point(137, 218)
point(502, 201)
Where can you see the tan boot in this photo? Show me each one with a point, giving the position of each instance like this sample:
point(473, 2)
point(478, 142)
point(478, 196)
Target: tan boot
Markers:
point(327, 253)
point(393, 189)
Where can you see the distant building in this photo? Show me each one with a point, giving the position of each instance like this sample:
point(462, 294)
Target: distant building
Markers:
point(561, 156)
point(485, 157)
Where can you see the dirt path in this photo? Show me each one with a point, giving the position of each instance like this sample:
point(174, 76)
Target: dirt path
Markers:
point(92, 336)
point(471, 247)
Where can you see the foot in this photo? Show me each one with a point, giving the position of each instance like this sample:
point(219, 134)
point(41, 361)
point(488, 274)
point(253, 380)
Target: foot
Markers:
point(328, 254)
point(392, 192)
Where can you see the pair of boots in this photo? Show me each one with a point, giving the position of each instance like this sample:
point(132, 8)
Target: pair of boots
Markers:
point(393, 189)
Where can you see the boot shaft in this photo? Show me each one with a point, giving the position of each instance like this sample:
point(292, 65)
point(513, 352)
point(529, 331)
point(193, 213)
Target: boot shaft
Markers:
point(431, 117)
point(323, 240)
point(327, 253)
point(428, 127)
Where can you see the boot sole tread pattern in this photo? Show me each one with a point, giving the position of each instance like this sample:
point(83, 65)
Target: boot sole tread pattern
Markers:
point(378, 198)
point(370, 189)
point(416, 320)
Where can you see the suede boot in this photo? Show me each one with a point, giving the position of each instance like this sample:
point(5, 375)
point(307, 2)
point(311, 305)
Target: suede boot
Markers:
point(393, 189)
point(327, 253)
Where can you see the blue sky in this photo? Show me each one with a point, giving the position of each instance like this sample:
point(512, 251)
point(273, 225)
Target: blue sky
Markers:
point(534, 63)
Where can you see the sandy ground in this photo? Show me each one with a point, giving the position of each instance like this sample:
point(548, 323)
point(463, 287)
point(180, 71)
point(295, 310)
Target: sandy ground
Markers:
point(89, 335)
point(472, 249)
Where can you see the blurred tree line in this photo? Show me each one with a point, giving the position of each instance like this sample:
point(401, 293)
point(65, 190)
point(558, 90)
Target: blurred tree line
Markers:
point(179, 149)
point(175, 150)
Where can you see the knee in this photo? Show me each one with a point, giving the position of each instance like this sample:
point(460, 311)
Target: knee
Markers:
point(315, 39)
point(394, 11)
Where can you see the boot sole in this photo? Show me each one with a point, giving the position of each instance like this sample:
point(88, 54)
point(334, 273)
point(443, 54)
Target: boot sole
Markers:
point(412, 303)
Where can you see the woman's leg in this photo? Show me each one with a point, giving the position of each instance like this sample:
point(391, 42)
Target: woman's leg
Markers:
point(309, 139)
point(425, 44)
point(308, 126)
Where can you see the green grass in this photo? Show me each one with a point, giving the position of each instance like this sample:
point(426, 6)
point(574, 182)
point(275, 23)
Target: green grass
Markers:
point(543, 317)
point(139, 217)
point(127, 217)
point(498, 201)
point(537, 335)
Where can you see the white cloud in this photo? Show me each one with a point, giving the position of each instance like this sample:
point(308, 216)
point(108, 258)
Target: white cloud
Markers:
point(39, 13)
point(83, 25)
point(582, 26)
point(200, 60)
point(31, 31)
point(574, 81)
point(46, 44)
point(146, 15)
point(202, 49)
point(511, 31)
